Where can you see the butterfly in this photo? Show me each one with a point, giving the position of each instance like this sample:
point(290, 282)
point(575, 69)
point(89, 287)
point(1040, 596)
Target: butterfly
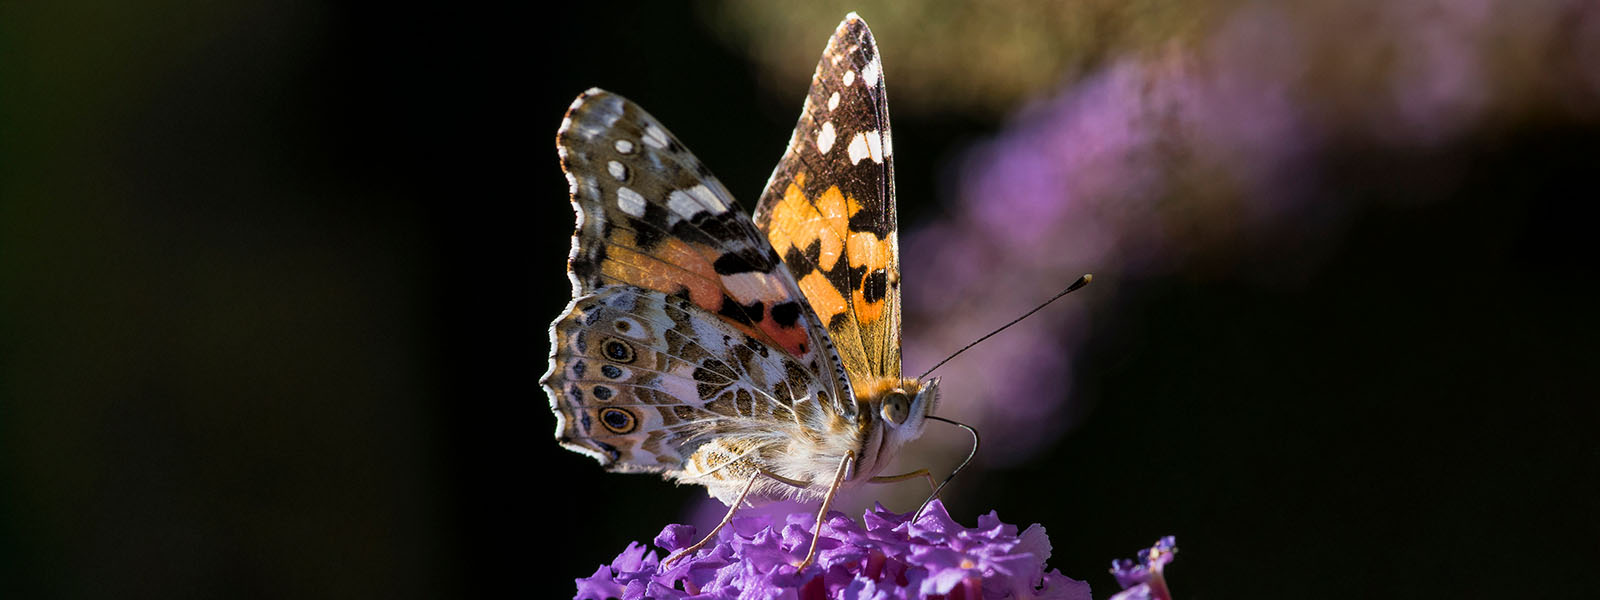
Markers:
point(758, 356)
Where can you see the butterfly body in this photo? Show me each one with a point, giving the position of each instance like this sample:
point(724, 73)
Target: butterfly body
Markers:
point(757, 356)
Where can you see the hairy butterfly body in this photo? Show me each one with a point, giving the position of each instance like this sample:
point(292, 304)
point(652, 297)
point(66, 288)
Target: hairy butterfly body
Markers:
point(759, 357)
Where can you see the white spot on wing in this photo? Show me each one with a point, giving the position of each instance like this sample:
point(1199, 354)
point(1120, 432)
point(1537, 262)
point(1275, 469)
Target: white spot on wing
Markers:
point(655, 137)
point(630, 202)
point(858, 148)
point(875, 146)
point(682, 204)
point(623, 146)
point(632, 329)
point(596, 115)
point(825, 138)
point(870, 73)
point(833, 101)
point(849, 77)
point(708, 199)
point(678, 386)
point(888, 144)
point(707, 335)
point(751, 286)
point(617, 170)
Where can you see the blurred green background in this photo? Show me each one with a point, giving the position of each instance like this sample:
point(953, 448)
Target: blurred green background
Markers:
point(275, 278)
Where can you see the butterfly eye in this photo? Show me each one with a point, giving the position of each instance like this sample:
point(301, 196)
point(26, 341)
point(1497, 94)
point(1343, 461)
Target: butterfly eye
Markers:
point(617, 420)
point(896, 407)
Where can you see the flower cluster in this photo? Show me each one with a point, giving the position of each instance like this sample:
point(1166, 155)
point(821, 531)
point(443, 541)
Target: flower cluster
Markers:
point(1141, 578)
point(888, 556)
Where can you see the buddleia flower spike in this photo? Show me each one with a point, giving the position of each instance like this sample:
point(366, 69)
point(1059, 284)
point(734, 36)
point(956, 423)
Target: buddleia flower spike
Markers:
point(886, 556)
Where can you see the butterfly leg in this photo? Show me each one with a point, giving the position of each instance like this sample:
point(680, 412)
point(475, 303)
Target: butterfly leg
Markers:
point(923, 473)
point(827, 501)
point(727, 518)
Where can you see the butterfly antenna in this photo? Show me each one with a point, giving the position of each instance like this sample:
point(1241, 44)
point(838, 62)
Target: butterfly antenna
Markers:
point(1082, 281)
point(963, 465)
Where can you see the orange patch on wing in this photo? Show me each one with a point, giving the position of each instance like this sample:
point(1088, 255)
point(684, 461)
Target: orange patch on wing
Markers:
point(797, 222)
point(866, 312)
point(825, 299)
point(789, 339)
point(870, 251)
point(693, 271)
point(874, 253)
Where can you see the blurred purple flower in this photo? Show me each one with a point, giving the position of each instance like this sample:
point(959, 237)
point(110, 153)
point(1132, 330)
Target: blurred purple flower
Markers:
point(1196, 156)
point(1141, 578)
point(890, 557)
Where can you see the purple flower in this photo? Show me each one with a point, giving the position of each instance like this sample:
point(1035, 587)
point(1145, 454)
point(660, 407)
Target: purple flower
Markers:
point(885, 556)
point(1141, 578)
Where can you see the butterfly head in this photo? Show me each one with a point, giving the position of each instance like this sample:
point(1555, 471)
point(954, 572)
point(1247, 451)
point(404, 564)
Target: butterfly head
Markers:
point(905, 407)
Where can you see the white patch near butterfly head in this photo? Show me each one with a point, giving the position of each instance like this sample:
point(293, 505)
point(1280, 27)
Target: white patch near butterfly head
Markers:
point(825, 137)
point(630, 202)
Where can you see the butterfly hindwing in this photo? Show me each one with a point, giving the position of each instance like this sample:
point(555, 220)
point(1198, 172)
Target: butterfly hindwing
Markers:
point(829, 209)
point(644, 381)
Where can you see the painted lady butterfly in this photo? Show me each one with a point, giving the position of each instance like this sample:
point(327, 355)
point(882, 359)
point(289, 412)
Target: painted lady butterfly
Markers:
point(752, 356)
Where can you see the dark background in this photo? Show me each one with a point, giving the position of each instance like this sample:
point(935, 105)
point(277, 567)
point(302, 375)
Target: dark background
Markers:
point(276, 279)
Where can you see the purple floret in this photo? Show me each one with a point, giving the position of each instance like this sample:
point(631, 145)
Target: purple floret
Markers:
point(1141, 578)
point(885, 556)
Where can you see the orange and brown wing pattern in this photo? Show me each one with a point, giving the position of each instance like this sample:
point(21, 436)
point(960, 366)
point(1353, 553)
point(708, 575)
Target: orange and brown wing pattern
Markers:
point(829, 209)
point(651, 216)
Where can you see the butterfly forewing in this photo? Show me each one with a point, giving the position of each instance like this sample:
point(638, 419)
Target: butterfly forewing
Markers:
point(829, 209)
point(685, 334)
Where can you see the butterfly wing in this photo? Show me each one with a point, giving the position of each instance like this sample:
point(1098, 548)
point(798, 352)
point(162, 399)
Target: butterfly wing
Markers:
point(829, 208)
point(683, 329)
point(646, 381)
